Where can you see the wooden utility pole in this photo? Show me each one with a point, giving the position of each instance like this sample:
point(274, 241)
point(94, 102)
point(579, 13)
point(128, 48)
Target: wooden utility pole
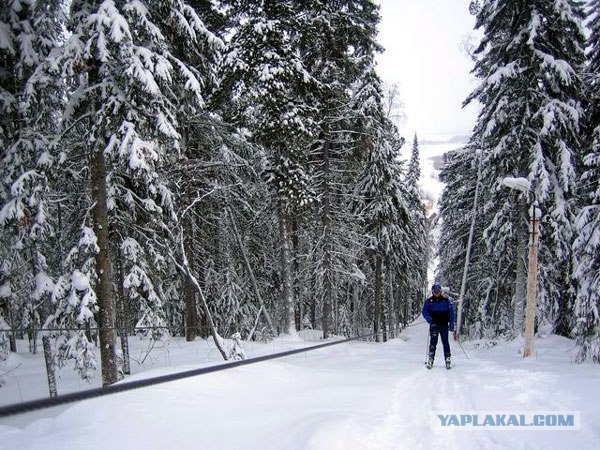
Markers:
point(523, 185)
point(531, 280)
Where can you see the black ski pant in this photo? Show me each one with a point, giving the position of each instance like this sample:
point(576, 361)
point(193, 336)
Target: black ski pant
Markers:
point(435, 331)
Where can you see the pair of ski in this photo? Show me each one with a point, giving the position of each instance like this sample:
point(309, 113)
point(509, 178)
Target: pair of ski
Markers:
point(429, 364)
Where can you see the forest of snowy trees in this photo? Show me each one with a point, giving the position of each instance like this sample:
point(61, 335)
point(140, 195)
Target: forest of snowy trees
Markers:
point(208, 168)
point(199, 168)
point(538, 66)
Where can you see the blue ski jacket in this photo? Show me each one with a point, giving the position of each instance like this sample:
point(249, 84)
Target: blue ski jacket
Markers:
point(439, 311)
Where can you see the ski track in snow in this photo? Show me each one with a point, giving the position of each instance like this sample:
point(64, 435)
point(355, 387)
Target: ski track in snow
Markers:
point(358, 396)
point(473, 385)
point(407, 427)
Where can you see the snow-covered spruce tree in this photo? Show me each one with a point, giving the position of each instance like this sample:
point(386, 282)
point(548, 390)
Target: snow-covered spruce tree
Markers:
point(529, 62)
point(29, 30)
point(198, 150)
point(587, 243)
point(418, 254)
point(139, 286)
point(413, 171)
point(349, 108)
point(480, 303)
point(252, 252)
point(233, 312)
point(383, 207)
point(222, 196)
point(270, 91)
point(121, 114)
point(74, 307)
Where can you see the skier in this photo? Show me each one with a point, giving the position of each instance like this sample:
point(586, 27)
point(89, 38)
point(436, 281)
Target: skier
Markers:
point(439, 314)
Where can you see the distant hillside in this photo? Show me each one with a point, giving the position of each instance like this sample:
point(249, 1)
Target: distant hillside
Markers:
point(438, 161)
point(461, 139)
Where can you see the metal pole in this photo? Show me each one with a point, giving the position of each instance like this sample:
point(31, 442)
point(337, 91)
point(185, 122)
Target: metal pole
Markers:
point(463, 284)
point(462, 348)
point(428, 344)
point(531, 280)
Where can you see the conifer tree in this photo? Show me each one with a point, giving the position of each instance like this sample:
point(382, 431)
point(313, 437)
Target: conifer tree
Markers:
point(270, 91)
point(479, 309)
point(124, 83)
point(413, 172)
point(29, 31)
point(587, 243)
point(350, 115)
point(385, 212)
point(418, 254)
point(529, 62)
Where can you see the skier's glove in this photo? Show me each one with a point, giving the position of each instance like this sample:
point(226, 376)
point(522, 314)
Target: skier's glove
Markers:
point(454, 334)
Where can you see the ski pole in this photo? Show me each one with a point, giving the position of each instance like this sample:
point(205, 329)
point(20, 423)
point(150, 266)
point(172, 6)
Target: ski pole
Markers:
point(428, 344)
point(462, 348)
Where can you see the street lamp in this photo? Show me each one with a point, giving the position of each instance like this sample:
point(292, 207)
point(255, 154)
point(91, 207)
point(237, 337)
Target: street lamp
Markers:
point(523, 185)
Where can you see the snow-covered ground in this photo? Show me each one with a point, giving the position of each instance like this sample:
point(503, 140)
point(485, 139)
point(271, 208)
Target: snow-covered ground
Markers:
point(357, 395)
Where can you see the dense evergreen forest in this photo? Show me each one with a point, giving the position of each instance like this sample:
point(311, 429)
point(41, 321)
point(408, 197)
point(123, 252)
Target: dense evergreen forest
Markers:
point(202, 169)
point(539, 69)
point(230, 169)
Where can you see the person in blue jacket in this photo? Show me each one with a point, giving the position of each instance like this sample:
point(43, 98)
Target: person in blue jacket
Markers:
point(439, 314)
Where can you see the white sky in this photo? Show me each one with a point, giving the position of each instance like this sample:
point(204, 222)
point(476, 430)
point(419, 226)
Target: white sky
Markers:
point(423, 55)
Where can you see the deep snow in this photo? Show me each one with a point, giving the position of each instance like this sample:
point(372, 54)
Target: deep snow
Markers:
point(359, 395)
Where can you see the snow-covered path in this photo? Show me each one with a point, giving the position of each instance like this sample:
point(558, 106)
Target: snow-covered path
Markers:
point(351, 396)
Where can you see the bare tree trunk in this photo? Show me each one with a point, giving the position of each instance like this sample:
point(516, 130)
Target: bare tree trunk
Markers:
point(184, 267)
point(34, 316)
point(384, 314)
point(327, 244)
point(252, 277)
point(49, 366)
point(192, 321)
point(378, 286)
point(213, 330)
point(286, 269)
point(106, 304)
point(11, 337)
point(122, 310)
point(295, 265)
point(313, 300)
point(189, 293)
point(385, 307)
point(391, 307)
point(355, 303)
point(33, 333)
point(125, 350)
